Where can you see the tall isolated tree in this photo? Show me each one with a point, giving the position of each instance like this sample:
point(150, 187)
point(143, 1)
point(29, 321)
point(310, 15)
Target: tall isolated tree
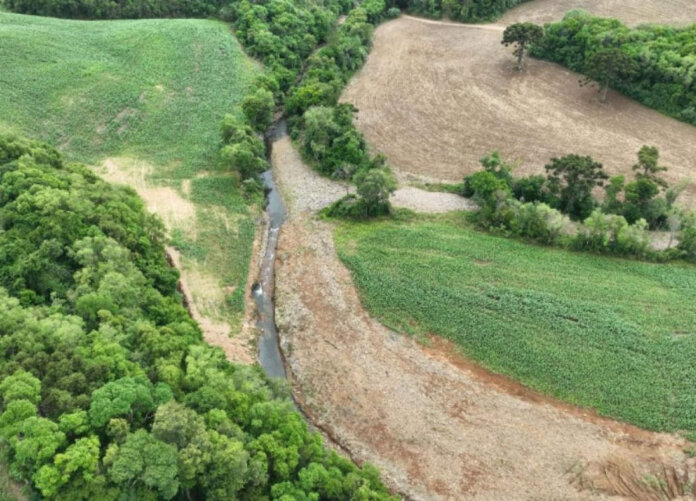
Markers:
point(522, 35)
point(571, 181)
point(608, 68)
point(648, 166)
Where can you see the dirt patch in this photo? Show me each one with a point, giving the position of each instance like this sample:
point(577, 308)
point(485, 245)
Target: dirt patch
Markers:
point(430, 201)
point(166, 202)
point(631, 12)
point(199, 289)
point(459, 98)
point(303, 189)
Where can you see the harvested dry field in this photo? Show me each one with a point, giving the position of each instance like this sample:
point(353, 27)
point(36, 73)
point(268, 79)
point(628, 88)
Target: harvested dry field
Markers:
point(437, 96)
point(631, 12)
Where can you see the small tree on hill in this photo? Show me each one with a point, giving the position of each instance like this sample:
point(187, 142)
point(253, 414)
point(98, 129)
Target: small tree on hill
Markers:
point(608, 68)
point(571, 181)
point(522, 35)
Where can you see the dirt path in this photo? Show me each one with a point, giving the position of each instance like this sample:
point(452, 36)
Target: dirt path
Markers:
point(459, 98)
point(437, 426)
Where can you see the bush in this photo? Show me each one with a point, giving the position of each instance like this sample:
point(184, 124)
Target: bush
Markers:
point(610, 233)
point(393, 13)
point(258, 109)
point(541, 223)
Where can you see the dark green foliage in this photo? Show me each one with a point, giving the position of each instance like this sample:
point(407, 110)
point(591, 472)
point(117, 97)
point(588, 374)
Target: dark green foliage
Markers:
point(661, 59)
point(107, 390)
point(374, 187)
point(571, 180)
point(460, 10)
point(243, 152)
point(608, 333)
point(608, 67)
point(122, 9)
point(258, 108)
point(522, 35)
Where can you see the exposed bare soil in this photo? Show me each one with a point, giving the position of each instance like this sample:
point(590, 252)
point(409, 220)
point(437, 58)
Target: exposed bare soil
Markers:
point(437, 425)
point(437, 96)
point(202, 291)
point(631, 12)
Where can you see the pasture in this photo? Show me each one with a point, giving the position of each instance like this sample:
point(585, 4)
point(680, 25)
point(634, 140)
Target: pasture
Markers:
point(611, 334)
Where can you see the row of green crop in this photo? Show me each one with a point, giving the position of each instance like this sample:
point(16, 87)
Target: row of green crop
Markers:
point(107, 390)
point(615, 335)
point(664, 58)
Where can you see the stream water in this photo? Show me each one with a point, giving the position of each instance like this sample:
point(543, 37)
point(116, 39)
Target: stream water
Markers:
point(270, 357)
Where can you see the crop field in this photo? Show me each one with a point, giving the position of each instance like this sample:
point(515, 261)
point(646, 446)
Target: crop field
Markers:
point(141, 101)
point(153, 89)
point(614, 335)
point(459, 98)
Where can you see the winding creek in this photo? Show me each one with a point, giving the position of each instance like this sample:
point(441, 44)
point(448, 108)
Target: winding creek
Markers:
point(270, 357)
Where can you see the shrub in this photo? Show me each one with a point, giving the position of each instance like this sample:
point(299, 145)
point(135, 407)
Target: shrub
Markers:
point(258, 109)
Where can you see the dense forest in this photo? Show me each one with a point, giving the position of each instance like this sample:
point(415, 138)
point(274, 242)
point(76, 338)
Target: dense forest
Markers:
point(460, 10)
point(116, 9)
point(108, 391)
point(659, 66)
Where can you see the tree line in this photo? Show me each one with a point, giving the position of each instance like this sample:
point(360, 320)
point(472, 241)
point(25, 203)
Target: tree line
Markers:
point(560, 207)
point(116, 9)
point(107, 389)
point(651, 63)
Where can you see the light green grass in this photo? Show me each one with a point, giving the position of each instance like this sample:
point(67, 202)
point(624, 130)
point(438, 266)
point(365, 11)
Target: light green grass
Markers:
point(612, 334)
point(149, 90)
point(154, 89)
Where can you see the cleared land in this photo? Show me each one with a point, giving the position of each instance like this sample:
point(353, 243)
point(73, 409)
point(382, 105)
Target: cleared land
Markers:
point(141, 101)
point(436, 96)
point(631, 12)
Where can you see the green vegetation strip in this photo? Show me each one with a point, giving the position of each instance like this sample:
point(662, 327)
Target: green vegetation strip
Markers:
point(154, 89)
point(615, 335)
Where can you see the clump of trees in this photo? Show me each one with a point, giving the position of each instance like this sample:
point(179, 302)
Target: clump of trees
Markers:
point(560, 208)
point(460, 10)
point(650, 63)
point(107, 390)
point(522, 36)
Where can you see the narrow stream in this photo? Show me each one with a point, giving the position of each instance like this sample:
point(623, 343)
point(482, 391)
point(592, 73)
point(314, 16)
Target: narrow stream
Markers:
point(270, 357)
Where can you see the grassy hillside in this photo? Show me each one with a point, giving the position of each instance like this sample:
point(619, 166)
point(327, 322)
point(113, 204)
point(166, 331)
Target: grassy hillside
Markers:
point(612, 334)
point(156, 89)
point(148, 96)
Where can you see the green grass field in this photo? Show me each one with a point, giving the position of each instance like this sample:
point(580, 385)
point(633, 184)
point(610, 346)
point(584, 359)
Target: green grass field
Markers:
point(615, 335)
point(148, 92)
point(155, 89)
